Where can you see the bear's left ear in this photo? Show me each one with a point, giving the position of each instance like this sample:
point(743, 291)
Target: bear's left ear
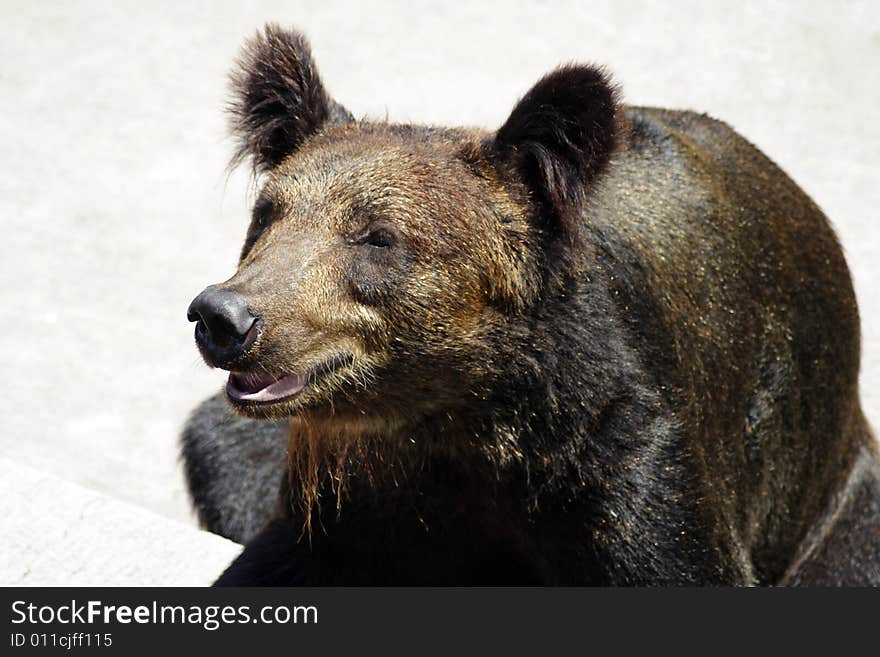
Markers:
point(278, 98)
point(559, 138)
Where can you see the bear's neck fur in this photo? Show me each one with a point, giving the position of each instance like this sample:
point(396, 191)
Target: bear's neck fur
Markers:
point(569, 437)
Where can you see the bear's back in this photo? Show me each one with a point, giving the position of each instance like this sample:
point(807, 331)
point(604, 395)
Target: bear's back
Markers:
point(740, 298)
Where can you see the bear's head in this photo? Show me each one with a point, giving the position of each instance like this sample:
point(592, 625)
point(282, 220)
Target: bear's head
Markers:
point(385, 263)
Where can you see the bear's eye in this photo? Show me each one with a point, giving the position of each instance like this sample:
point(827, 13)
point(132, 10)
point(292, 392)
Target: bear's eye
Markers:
point(380, 238)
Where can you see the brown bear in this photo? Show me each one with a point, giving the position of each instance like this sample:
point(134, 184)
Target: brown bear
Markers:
point(600, 345)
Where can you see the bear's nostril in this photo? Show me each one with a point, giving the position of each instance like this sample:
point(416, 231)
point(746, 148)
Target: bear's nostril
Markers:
point(201, 329)
point(224, 324)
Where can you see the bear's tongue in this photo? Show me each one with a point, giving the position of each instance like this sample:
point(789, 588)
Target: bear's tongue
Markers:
point(264, 387)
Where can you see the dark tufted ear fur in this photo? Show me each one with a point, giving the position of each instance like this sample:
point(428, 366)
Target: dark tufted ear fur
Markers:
point(278, 99)
point(559, 138)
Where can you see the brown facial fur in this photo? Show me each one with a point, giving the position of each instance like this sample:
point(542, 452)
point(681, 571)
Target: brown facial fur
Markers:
point(426, 300)
point(430, 302)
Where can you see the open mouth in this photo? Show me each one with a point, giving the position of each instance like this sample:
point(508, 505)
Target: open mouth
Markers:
point(266, 388)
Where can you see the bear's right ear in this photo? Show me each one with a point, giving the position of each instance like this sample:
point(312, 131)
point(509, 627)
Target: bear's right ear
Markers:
point(278, 99)
point(558, 139)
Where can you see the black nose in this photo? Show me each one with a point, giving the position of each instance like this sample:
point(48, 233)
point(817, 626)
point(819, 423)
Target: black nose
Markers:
point(225, 328)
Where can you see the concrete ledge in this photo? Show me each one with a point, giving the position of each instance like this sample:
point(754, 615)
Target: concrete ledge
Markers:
point(56, 533)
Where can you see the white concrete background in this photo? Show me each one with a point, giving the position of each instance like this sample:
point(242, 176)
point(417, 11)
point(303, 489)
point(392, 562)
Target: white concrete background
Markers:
point(65, 534)
point(116, 209)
